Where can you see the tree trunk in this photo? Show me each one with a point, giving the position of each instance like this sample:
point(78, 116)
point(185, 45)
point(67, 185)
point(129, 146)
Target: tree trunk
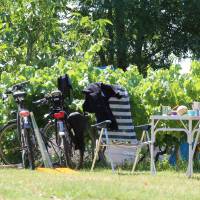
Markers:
point(138, 59)
point(102, 58)
point(121, 42)
point(110, 33)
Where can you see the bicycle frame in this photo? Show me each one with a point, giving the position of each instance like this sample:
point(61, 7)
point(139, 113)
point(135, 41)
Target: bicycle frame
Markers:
point(58, 117)
point(22, 120)
point(60, 127)
point(58, 132)
point(57, 113)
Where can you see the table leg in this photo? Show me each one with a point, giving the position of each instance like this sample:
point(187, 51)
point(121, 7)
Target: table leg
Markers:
point(195, 142)
point(190, 161)
point(190, 140)
point(153, 169)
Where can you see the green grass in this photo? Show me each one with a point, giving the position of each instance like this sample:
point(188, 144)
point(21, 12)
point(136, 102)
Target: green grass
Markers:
point(25, 184)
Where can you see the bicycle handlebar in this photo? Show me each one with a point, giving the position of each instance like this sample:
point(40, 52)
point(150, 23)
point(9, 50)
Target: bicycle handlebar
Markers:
point(15, 87)
point(8, 91)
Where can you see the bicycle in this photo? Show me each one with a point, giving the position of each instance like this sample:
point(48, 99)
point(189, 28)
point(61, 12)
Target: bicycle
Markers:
point(17, 140)
point(57, 133)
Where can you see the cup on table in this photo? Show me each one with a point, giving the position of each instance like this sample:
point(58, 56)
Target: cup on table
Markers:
point(192, 112)
point(196, 107)
point(166, 110)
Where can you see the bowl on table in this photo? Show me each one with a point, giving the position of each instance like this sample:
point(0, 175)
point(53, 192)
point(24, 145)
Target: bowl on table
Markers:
point(192, 112)
point(181, 110)
point(173, 113)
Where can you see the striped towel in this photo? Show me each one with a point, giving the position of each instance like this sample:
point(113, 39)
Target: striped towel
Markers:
point(122, 112)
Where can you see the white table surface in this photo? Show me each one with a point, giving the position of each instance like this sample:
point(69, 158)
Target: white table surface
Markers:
point(174, 117)
point(187, 128)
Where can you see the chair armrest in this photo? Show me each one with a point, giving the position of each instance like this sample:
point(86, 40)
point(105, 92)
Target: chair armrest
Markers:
point(144, 127)
point(103, 124)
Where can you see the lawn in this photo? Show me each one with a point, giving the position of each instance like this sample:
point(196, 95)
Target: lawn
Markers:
point(25, 184)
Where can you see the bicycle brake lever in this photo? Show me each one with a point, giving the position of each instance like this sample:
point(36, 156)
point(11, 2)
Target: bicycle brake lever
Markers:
point(40, 102)
point(8, 91)
point(4, 97)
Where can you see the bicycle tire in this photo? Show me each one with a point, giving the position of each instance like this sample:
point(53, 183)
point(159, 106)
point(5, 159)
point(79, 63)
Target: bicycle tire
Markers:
point(10, 146)
point(66, 145)
point(52, 144)
point(74, 157)
point(29, 156)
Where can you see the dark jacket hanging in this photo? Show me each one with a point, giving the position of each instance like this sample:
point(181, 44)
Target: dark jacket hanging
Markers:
point(96, 101)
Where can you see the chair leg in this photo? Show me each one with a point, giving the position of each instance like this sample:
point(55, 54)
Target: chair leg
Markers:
point(112, 165)
point(137, 153)
point(93, 140)
point(136, 159)
point(95, 157)
point(109, 152)
point(97, 150)
point(148, 139)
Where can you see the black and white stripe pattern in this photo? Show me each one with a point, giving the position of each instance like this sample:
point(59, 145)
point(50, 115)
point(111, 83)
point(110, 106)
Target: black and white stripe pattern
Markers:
point(122, 112)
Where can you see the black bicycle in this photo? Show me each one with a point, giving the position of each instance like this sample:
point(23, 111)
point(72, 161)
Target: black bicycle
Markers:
point(17, 139)
point(57, 133)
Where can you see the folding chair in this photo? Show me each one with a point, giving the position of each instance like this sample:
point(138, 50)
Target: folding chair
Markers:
point(125, 136)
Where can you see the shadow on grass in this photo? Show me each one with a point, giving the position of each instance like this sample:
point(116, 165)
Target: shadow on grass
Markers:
point(122, 170)
point(143, 168)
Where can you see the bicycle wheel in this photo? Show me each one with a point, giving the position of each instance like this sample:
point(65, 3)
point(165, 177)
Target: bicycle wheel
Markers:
point(61, 149)
point(28, 155)
point(73, 156)
point(53, 144)
point(10, 146)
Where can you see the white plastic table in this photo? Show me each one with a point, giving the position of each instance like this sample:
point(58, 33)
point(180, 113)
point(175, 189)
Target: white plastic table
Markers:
point(190, 125)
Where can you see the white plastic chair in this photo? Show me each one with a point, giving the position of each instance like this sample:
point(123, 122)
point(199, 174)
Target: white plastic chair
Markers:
point(125, 137)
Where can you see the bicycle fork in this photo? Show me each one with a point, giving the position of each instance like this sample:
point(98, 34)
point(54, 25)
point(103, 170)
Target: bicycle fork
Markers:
point(60, 135)
point(25, 124)
point(61, 128)
point(24, 147)
point(63, 137)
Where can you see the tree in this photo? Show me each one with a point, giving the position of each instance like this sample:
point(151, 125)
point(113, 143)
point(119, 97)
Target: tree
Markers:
point(30, 31)
point(37, 33)
point(147, 32)
point(143, 33)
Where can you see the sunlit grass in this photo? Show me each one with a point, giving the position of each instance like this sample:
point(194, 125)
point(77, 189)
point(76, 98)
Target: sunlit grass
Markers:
point(101, 184)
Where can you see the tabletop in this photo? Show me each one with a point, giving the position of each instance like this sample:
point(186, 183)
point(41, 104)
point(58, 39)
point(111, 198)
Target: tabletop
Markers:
point(174, 117)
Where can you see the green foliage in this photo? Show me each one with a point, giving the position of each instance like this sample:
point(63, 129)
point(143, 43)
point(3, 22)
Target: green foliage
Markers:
point(37, 33)
point(147, 32)
point(41, 40)
point(161, 87)
point(164, 164)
